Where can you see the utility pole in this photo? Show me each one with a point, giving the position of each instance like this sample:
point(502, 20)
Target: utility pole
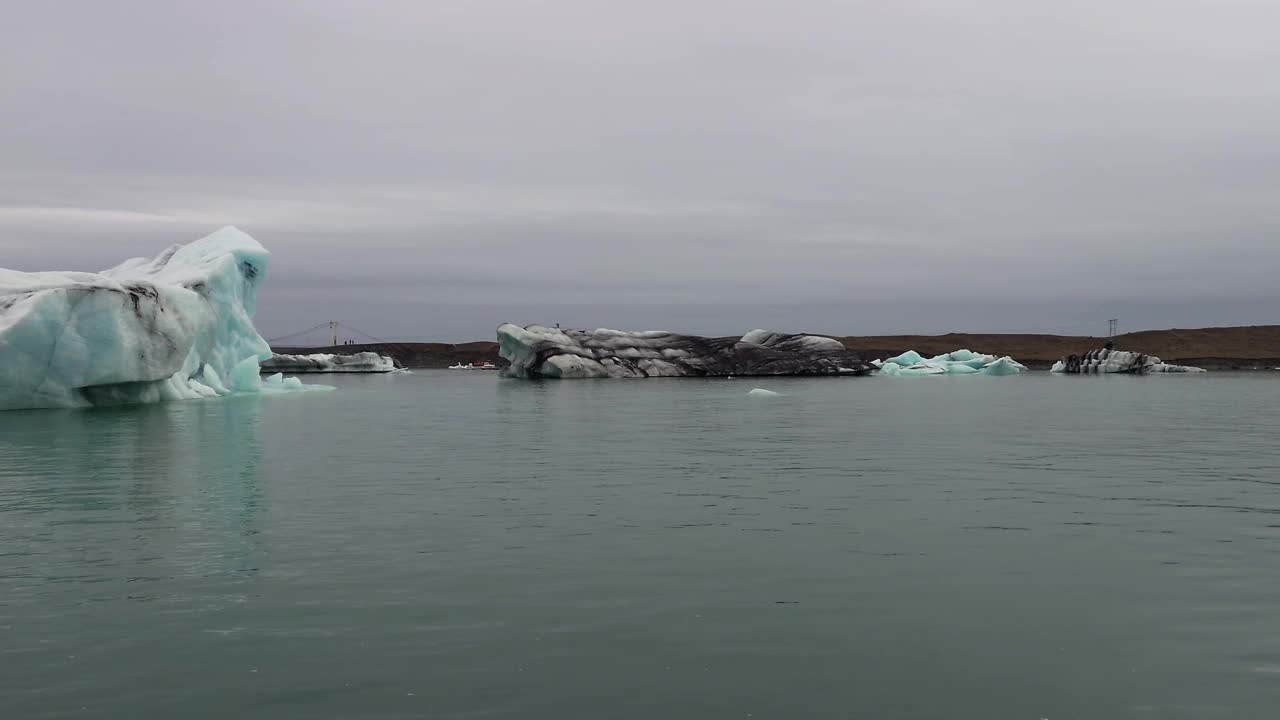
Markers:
point(1111, 327)
point(333, 333)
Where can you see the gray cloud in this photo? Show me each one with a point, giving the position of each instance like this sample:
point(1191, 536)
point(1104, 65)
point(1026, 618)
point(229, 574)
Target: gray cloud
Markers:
point(429, 169)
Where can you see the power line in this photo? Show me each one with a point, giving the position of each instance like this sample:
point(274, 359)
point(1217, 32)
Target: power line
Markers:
point(300, 332)
point(365, 334)
point(332, 326)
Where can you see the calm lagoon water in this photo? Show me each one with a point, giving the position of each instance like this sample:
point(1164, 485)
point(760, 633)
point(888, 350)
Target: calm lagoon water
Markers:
point(455, 545)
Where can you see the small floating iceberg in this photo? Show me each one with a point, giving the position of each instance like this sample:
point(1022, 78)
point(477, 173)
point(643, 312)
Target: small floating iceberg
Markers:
point(178, 326)
point(364, 362)
point(279, 383)
point(958, 362)
point(1003, 366)
point(1110, 361)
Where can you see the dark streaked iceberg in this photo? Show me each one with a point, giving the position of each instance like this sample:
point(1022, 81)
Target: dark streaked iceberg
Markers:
point(364, 362)
point(1109, 361)
point(537, 351)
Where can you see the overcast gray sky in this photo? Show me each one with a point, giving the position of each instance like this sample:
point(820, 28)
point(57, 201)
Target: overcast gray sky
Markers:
point(426, 170)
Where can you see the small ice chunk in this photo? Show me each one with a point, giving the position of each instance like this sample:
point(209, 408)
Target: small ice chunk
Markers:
point(957, 356)
point(212, 380)
point(1168, 368)
point(906, 359)
point(921, 369)
point(201, 389)
point(245, 376)
point(1004, 366)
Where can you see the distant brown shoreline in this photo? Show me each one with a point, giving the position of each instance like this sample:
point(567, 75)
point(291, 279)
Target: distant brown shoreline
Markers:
point(1218, 348)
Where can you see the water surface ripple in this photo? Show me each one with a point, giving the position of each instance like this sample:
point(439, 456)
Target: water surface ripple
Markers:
point(457, 545)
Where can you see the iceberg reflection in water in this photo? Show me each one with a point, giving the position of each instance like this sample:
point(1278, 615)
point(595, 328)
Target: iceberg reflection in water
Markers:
point(105, 497)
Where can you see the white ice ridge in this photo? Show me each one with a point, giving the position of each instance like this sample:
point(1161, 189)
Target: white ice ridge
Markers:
point(537, 351)
point(176, 326)
point(959, 362)
point(1108, 361)
point(364, 362)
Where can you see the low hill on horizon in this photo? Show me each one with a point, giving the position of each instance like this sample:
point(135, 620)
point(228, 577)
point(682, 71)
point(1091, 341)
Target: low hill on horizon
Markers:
point(1217, 347)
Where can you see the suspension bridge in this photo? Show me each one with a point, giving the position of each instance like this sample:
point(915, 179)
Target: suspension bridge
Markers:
point(336, 337)
point(332, 332)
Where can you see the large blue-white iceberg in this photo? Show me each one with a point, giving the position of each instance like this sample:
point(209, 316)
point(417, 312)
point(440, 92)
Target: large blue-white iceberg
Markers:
point(179, 325)
point(958, 362)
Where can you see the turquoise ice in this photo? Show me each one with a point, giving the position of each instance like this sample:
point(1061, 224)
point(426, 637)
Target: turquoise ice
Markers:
point(958, 362)
point(177, 326)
